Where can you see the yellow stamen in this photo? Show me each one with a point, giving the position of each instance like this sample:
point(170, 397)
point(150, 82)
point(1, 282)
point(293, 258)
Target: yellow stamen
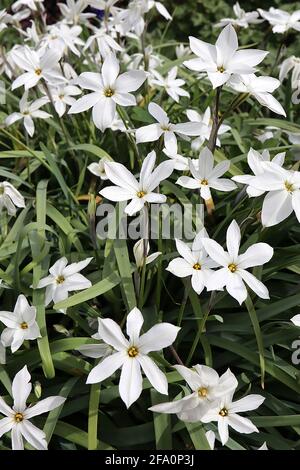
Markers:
point(202, 392)
point(132, 351)
point(38, 71)
point(197, 266)
point(223, 412)
point(204, 182)
point(141, 194)
point(18, 417)
point(289, 186)
point(60, 279)
point(24, 325)
point(221, 69)
point(109, 92)
point(232, 267)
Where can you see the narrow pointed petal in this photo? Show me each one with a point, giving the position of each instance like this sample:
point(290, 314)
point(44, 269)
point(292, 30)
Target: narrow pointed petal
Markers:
point(233, 239)
point(255, 255)
point(33, 435)
point(155, 376)
point(158, 113)
point(6, 424)
point(5, 409)
point(110, 332)
point(248, 403)
point(16, 438)
point(216, 252)
point(43, 406)
point(241, 424)
point(120, 176)
point(158, 337)
point(134, 324)
point(223, 430)
point(21, 388)
point(130, 385)
point(106, 368)
point(277, 206)
point(236, 288)
point(257, 286)
point(180, 267)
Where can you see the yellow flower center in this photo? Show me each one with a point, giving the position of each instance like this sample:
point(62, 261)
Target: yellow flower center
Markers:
point(289, 186)
point(108, 93)
point(24, 325)
point(61, 97)
point(18, 417)
point(221, 69)
point(202, 392)
point(38, 72)
point(141, 194)
point(132, 351)
point(60, 279)
point(223, 412)
point(204, 182)
point(25, 113)
point(165, 128)
point(1, 190)
point(197, 266)
point(232, 267)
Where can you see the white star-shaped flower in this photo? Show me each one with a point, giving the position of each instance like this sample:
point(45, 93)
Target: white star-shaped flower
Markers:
point(29, 110)
point(64, 279)
point(206, 176)
point(193, 262)
point(20, 324)
point(206, 386)
point(132, 355)
point(233, 272)
point(225, 412)
point(17, 418)
point(165, 128)
point(127, 187)
point(223, 59)
point(10, 198)
point(109, 89)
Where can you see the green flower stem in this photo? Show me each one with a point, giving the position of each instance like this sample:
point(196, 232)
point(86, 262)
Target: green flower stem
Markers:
point(93, 416)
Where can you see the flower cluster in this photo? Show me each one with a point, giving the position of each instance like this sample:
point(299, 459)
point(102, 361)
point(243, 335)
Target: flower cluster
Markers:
point(84, 80)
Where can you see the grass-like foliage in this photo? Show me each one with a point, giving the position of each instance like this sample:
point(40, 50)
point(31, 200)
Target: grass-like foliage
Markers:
point(141, 340)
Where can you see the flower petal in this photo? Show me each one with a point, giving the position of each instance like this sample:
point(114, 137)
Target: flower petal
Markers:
point(110, 332)
point(155, 376)
point(110, 70)
point(180, 267)
point(130, 81)
point(33, 435)
point(158, 113)
point(216, 252)
point(248, 403)
point(106, 368)
point(119, 175)
point(21, 388)
point(43, 406)
point(236, 288)
point(149, 133)
point(134, 323)
point(130, 385)
point(255, 255)
point(233, 240)
point(158, 337)
point(241, 424)
point(257, 286)
point(104, 112)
